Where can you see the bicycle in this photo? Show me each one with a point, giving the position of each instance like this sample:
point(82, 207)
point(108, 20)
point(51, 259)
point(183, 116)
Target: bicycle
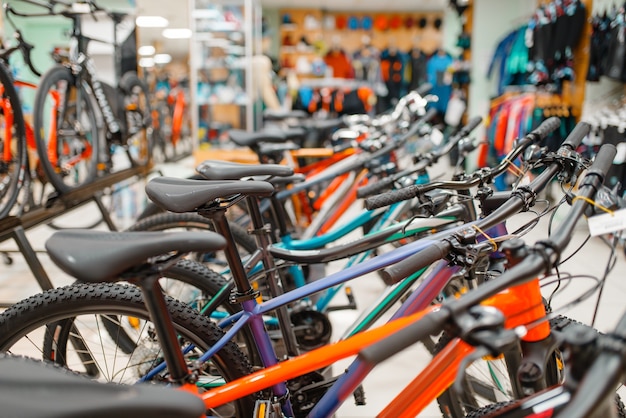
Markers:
point(171, 122)
point(443, 368)
point(313, 327)
point(417, 301)
point(66, 122)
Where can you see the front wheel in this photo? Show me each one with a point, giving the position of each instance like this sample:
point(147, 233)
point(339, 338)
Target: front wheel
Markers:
point(488, 381)
point(65, 325)
point(66, 130)
point(138, 120)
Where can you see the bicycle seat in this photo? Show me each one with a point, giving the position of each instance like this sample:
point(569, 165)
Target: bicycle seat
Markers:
point(225, 170)
point(101, 256)
point(271, 149)
point(323, 124)
point(33, 389)
point(279, 115)
point(183, 195)
point(248, 139)
point(291, 133)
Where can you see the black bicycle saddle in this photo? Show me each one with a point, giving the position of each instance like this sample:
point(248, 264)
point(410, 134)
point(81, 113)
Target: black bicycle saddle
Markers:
point(225, 170)
point(100, 256)
point(33, 389)
point(248, 139)
point(185, 195)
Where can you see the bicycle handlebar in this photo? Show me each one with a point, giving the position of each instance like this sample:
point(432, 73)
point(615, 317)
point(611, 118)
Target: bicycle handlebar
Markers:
point(386, 199)
point(542, 257)
point(397, 272)
point(424, 89)
point(576, 136)
point(387, 182)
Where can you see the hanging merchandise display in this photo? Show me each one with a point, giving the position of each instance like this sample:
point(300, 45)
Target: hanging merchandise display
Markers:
point(551, 36)
point(392, 66)
point(608, 46)
point(440, 76)
point(513, 115)
point(542, 51)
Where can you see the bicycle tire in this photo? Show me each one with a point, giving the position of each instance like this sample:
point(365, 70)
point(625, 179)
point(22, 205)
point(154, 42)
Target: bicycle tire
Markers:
point(63, 172)
point(13, 170)
point(65, 313)
point(495, 410)
point(453, 405)
point(168, 220)
point(137, 119)
point(195, 285)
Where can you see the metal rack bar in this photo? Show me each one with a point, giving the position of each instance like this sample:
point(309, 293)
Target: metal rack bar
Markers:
point(13, 227)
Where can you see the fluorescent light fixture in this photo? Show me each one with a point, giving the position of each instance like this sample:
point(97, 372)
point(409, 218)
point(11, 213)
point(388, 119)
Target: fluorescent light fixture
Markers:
point(177, 33)
point(162, 58)
point(146, 62)
point(151, 21)
point(146, 50)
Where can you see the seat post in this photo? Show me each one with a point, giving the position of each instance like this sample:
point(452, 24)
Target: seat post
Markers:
point(262, 234)
point(218, 216)
point(164, 327)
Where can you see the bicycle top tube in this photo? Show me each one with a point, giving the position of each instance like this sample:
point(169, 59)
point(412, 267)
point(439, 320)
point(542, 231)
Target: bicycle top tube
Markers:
point(346, 165)
point(355, 271)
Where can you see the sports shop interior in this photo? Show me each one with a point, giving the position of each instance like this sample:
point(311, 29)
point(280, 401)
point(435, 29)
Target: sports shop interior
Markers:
point(111, 107)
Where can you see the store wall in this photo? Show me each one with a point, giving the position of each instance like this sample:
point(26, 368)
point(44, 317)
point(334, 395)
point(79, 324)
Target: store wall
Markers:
point(492, 20)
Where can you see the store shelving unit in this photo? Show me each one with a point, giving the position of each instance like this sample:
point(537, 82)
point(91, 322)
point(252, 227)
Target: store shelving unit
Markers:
point(223, 43)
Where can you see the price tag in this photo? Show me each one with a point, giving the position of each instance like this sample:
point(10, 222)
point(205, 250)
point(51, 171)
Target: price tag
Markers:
point(607, 223)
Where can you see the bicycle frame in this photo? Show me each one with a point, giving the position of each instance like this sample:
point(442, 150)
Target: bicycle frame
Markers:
point(425, 388)
point(253, 312)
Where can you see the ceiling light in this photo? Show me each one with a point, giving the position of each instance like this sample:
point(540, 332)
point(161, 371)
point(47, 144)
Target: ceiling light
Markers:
point(151, 21)
point(146, 50)
point(179, 33)
point(162, 58)
point(146, 62)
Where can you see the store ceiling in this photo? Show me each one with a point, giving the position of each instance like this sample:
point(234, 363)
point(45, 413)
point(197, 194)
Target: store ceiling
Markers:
point(177, 13)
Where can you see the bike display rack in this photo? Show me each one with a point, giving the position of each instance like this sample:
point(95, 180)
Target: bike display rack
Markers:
point(14, 227)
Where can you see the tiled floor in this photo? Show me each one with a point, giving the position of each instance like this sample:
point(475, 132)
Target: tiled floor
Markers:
point(386, 381)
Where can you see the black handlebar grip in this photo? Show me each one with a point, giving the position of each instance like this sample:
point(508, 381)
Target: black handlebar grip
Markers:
point(405, 337)
point(604, 159)
point(546, 128)
point(389, 198)
point(424, 89)
point(469, 127)
point(575, 137)
point(374, 188)
point(427, 256)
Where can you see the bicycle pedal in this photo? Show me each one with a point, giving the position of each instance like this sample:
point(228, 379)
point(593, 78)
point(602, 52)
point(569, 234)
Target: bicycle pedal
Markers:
point(265, 409)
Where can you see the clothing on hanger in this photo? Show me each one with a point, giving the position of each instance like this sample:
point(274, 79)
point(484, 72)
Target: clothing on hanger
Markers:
point(417, 61)
point(339, 61)
point(438, 70)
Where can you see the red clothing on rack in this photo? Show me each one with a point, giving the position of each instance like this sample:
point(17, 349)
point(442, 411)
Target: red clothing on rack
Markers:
point(340, 63)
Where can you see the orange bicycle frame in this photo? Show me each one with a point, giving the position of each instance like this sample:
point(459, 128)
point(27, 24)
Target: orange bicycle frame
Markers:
point(521, 305)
